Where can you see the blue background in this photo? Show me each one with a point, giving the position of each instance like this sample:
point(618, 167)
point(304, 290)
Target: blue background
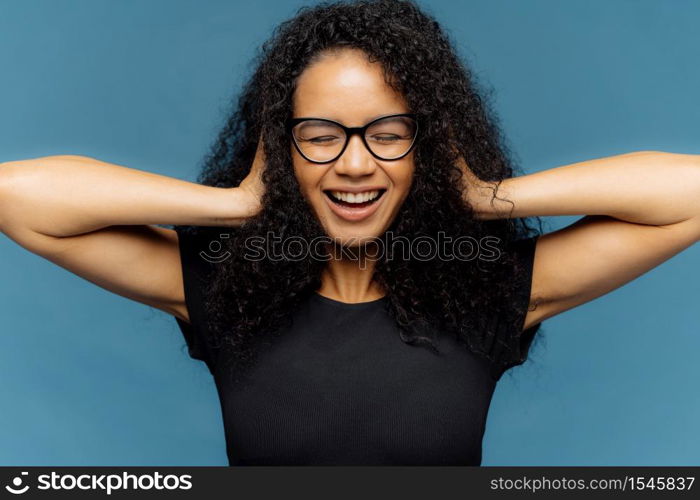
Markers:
point(90, 378)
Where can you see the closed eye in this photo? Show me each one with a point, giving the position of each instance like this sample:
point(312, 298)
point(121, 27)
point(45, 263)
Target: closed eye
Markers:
point(386, 138)
point(321, 140)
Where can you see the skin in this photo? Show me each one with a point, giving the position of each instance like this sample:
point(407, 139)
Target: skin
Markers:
point(100, 220)
point(344, 86)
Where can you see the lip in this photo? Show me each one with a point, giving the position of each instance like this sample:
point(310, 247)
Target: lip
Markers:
point(356, 189)
point(354, 214)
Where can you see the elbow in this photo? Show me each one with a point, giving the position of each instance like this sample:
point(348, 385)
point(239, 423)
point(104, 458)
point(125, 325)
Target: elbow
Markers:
point(20, 176)
point(12, 176)
point(7, 172)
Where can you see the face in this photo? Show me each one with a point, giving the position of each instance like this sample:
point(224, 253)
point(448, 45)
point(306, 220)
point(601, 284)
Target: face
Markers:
point(346, 88)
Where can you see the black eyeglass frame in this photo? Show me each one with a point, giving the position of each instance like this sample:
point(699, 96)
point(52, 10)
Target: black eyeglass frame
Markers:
point(349, 132)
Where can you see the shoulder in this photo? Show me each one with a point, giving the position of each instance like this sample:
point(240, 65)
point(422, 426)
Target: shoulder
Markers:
point(200, 250)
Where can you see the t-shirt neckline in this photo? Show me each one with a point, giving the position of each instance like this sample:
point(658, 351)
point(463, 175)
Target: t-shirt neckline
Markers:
point(338, 303)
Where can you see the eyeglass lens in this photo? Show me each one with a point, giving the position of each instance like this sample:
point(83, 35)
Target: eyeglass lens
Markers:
point(388, 138)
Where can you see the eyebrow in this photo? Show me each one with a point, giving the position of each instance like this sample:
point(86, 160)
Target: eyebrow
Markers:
point(335, 119)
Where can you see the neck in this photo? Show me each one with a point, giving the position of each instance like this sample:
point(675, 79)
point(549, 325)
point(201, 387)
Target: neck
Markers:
point(348, 278)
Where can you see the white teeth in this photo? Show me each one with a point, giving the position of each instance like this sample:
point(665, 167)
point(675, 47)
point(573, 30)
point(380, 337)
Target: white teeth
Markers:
point(355, 197)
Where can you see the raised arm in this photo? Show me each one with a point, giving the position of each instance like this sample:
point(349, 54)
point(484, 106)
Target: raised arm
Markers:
point(98, 220)
point(640, 210)
point(71, 195)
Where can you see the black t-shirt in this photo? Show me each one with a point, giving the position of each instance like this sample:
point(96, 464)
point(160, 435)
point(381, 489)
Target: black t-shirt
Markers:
point(340, 387)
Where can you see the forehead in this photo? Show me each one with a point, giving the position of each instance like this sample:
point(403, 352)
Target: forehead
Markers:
point(344, 86)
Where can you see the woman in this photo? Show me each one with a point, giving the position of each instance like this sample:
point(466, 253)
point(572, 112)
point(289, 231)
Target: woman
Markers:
point(359, 128)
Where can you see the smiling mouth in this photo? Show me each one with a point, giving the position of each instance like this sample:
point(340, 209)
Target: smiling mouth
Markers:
point(355, 200)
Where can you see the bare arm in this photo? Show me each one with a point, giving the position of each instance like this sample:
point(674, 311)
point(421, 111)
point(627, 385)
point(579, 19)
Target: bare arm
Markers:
point(644, 187)
point(640, 210)
point(71, 195)
point(97, 220)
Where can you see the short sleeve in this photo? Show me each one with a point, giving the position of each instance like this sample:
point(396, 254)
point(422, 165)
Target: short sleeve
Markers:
point(196, 272)
point(514, 343)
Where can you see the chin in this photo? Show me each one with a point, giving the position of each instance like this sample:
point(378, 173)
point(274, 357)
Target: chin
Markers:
point(350, 238)
point(347, 233)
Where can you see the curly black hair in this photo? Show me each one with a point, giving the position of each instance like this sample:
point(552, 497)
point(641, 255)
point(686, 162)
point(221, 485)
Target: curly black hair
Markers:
point(249, 301)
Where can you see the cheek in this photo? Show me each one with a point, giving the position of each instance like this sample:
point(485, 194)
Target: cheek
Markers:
point(403, 177)
point(300, 173)
point(307, 183)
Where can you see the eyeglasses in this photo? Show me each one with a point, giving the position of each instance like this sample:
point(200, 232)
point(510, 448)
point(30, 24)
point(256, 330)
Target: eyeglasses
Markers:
point(322, 141)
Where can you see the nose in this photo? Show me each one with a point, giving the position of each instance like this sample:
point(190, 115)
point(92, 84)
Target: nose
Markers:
point(355, 160)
